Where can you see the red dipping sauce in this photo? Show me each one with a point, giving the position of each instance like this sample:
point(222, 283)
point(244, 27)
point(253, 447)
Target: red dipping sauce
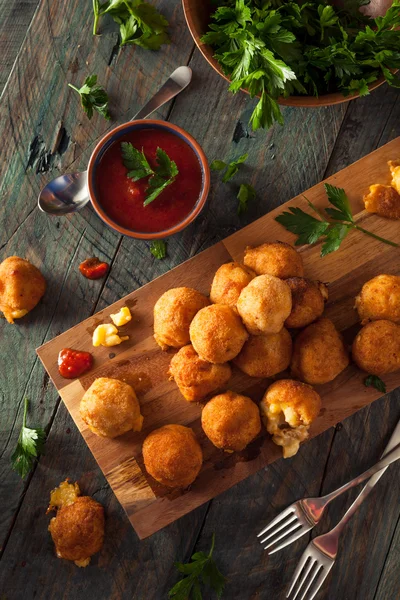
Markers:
point(122, 198)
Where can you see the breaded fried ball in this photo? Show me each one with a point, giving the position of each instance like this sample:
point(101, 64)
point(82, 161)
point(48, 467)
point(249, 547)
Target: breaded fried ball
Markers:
point(265, 304)
point(308, 301)
point(195, 377)
point(288, 408)
point(380, 299)
point(21, 287)
point(394, 166)
point(265, 355)
point(376, 348)
point(231, 421)
point(172, 455)
point(173, 313)
point(383, 200)
point(278, 259)
point(228, 282)
point(319, 353)
point(78, 530)
point(217, 333)
point(110, 408)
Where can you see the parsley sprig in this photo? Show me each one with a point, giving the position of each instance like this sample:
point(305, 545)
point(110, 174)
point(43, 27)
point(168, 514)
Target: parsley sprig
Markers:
point(230, 168)
point(158, 248)
point(310, 229)
point(375, 382)
point(163, 174)
point(93, 97)
point(202, 569)
point(29, 446)
point(139, 22)
point(290, 47)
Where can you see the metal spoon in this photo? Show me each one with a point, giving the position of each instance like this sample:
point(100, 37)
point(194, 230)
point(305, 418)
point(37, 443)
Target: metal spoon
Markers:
point(68, 193)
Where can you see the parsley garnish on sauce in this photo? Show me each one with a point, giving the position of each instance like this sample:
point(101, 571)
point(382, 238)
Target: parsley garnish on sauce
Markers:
point(93, 97)
point(284, 48)
point(139, 22)
point(310, 229)
point(29, 446)
point(201, 570)
point(161, 176)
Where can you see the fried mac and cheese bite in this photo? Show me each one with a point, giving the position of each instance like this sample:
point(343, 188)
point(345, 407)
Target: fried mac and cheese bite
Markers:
point(231, 421)
point(173, 313)
point(195, 377)
point(265, 355)
point(77, 529)
point(376, 348)
point(319, 353)
point(278, 259)
point(217, 333)
point(383, 200)
point(110, 408)
point(21, 287)
point(288, 408)
point(228, 282)
point(265, 304)
point(172, 455)
point(394, 166)
point(308, 301)
point(379, 299)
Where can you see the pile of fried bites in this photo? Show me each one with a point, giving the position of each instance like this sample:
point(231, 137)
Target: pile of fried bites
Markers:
point(245, 321)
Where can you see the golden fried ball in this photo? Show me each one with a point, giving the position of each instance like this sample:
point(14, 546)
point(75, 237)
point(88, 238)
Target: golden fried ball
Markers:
point(217, 333)
point(265, 355)
point(383, 200)
point(195, 377)
point(228, 282)
point(278, 259)
point(376, 348)
point(394, 166)
point(231, 421)
point(380, 299)
point(110, 408)
point(173, 313)
point(265, 304)
point(172, 455)
point(319, 353)
point(308, 301)
point(21, 287)
point(288, 408)
point(78, 530)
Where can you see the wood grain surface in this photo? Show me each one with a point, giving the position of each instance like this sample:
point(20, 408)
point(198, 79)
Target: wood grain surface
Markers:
point(140, 362)
point(36, 107)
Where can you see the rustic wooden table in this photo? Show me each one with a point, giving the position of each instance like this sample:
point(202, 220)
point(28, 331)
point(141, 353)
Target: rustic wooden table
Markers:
point(44, 45)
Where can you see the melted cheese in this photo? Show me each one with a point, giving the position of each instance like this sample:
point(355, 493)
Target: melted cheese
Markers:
point(107, 335)
point(122, 317)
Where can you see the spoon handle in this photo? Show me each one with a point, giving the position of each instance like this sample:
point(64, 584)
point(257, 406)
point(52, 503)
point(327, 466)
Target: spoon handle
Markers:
point(176, 82)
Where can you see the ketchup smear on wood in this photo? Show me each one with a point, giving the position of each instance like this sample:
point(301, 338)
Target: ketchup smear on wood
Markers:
point(73, 363)
point(122, 198)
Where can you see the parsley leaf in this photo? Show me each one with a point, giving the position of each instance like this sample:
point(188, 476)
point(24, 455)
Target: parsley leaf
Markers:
point(202, 569)
point(135, 161)
point(164, 174)
point(231, 168)
point(334, 238)
point(158, 248)
point(29, 446)
point(93, 97)
point(375, 382)
point(337, 197)
point(307, 228)
point(246, 193)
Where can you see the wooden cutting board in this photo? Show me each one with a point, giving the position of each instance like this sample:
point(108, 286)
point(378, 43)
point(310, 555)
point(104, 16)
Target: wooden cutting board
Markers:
point(139, 361)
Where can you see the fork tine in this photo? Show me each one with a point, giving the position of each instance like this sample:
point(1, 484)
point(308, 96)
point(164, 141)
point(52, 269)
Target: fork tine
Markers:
point(289, 540)
point(282, 524)
point(281, 516)
point(304, 560)
point(318, 583)
point(316, 571)
point(286, 532)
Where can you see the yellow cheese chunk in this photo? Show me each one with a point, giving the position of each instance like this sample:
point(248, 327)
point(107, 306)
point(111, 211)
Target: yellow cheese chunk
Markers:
point(122, 317)
point(63, 495)
point(107, 335)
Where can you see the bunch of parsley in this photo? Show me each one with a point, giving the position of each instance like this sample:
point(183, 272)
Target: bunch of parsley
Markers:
point(278, 48)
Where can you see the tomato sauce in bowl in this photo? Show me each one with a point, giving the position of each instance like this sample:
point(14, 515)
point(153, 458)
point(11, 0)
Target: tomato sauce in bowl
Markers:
point(122, 199)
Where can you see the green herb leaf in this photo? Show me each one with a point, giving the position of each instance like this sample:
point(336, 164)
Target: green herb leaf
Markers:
point(231, 168)
point(202, 569)
point(158, 248)
point(218, 165)
point(308, 229)
point(375, 382)
point(93, 97)
point(29, 446)
point(135, 162)
point(337, 197)
point(334, 238)
point(246, 193)
point(164, 174)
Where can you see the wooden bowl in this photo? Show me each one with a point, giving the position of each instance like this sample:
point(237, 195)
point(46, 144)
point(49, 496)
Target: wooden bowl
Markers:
point(197, 14)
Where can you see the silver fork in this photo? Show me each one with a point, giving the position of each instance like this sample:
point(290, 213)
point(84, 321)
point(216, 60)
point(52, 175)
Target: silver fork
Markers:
point(301, 516)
